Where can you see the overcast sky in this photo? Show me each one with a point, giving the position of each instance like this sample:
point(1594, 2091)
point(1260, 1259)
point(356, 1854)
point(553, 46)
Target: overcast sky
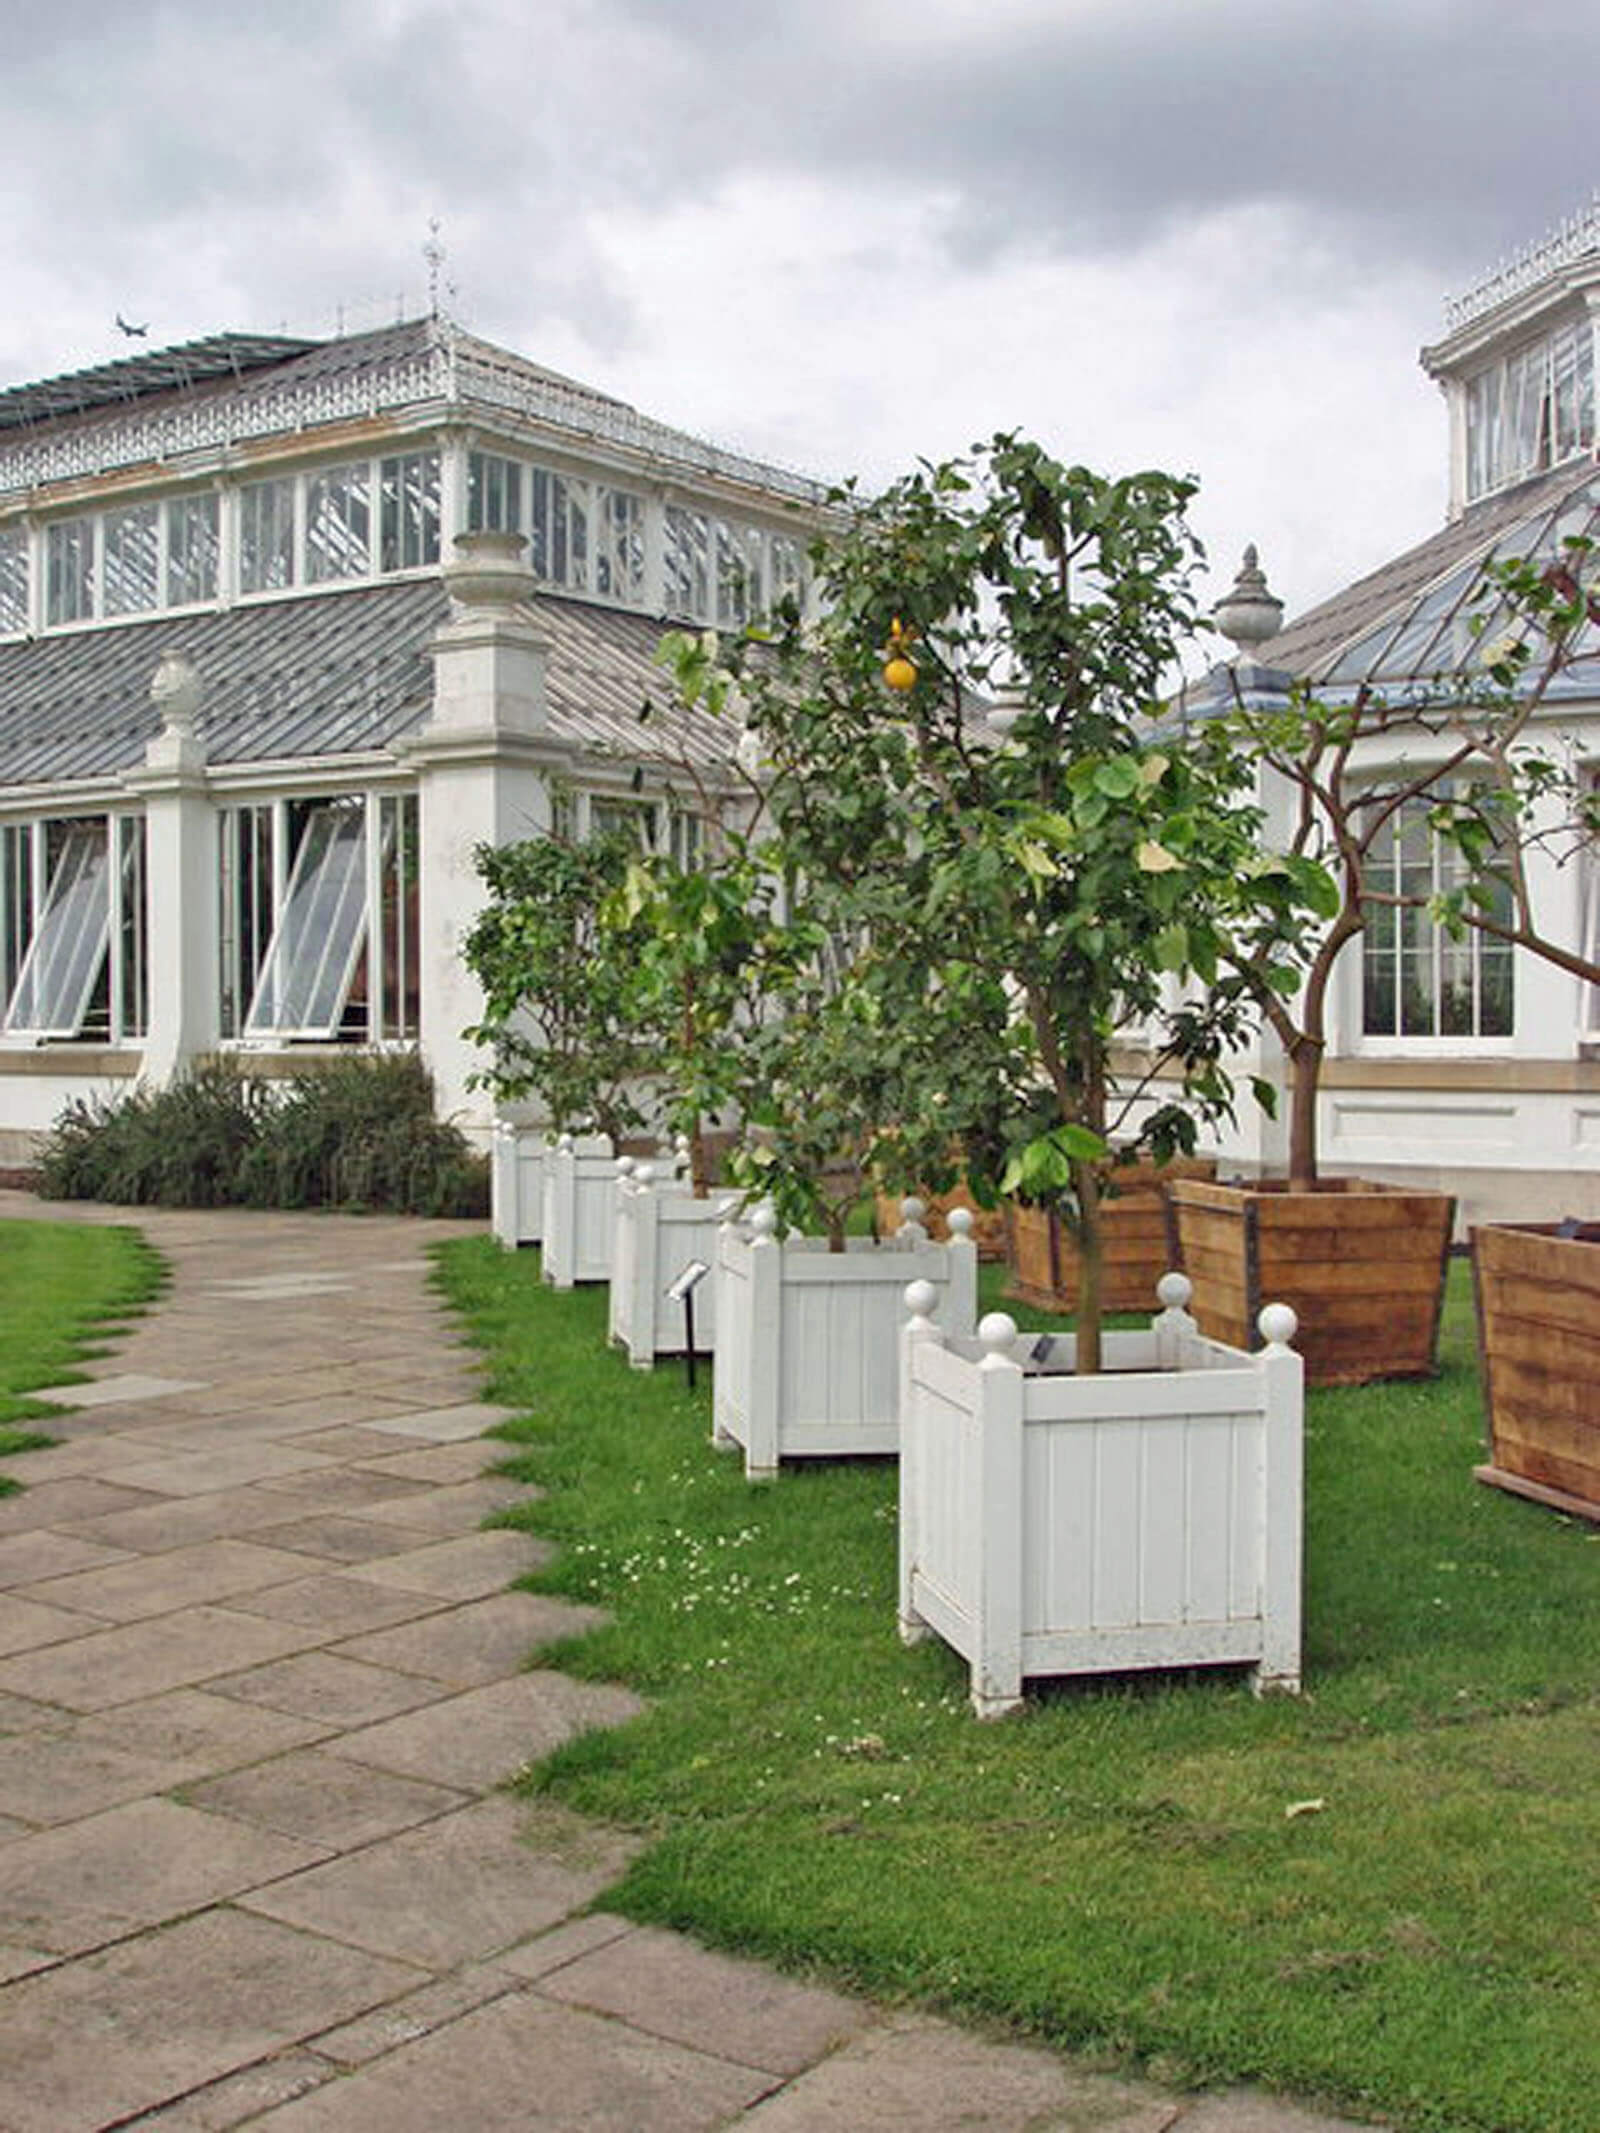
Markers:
point(1208, 235)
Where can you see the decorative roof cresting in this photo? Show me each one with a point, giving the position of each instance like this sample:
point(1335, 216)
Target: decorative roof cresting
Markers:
point(1576, 238)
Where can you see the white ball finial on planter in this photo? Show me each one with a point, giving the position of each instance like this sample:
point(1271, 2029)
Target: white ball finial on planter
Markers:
point(920, 1298)
point(1278, 1324)
point(996, 1332)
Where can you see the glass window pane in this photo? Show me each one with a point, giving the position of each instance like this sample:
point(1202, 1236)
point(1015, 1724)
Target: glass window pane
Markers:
point(266, 536)
point(739, 592)
point(338, 525)
point(410, 532)
point(69, 570)
point(494, 494)
point(132, 575)
point(321, 930)
point(619, 560)
point(13, 579)
point(16, 901)
point(402, 1004)
point(193, 548)
point(688, 564)
point(131, 1010)
point(68, 949)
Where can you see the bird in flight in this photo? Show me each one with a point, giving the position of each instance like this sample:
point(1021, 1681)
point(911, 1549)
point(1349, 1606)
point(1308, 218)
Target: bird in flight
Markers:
point(134, 333)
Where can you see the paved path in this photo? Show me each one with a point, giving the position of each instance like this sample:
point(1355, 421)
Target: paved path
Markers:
point(260, 1685)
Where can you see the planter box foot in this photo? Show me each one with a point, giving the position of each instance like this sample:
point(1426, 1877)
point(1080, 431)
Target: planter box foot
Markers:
point(1264, 1684)
point(913, 1630)
point(759, 1473)
point(1536, 1492)
point(997, 1706)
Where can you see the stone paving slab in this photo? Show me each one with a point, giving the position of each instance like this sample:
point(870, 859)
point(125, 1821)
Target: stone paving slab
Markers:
point(323, 1799)
point(438, 1464)
point(456, 1890)
point(159, 1584)
point(99, 1879)
point(445, 1425)
point(466, 1569)
point(172, 1651)
point(26, 1558)
point(129, 1385)
point(25, 1624)
point(66, 1503)
point(459, 1508)
point(483, 1641)
point(337, 1603)
point(89, 2043)
point(205, 1732)
point(483, 1736)
point(916, 2075)
point(658, 1983)
point(540, 2068)
point(176, 1521)
point(219, 1466)
point(328, 1687)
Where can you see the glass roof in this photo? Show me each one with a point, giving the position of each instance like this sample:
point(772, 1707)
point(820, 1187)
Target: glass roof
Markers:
point(1442, 631)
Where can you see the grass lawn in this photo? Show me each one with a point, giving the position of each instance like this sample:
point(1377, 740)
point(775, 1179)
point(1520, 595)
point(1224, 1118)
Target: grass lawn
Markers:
point(1381, 1895)
point(61, 1284)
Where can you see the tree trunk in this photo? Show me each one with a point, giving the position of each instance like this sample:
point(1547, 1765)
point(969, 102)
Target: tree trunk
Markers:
point(1091, 1268)
point(1305, 1079)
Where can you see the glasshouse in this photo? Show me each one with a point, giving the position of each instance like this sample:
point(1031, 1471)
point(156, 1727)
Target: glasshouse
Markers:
point(288, 629)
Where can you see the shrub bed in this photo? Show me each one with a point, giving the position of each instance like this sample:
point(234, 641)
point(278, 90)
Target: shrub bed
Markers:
point(358, 1134)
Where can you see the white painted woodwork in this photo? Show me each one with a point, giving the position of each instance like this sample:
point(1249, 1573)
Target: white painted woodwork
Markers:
point(580, 1178)
point(807, 1339)
point(516, 1183)
point(1147, 1517)
point(660, 1228)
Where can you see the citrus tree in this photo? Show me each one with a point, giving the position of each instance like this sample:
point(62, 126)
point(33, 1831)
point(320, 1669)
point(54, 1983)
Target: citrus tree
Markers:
point(564, 1018)
point(1050, 880)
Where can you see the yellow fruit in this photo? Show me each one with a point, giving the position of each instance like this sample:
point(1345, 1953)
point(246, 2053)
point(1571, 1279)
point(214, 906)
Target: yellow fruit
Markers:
point(899, 673)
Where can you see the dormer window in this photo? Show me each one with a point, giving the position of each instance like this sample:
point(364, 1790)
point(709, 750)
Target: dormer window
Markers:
point(1532, 409)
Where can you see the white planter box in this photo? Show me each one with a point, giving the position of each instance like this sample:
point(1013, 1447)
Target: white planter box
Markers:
point(660, 1228)
point(580, 1178)
point(807, 1353)
point(516, 1184)
point(1147, 1517)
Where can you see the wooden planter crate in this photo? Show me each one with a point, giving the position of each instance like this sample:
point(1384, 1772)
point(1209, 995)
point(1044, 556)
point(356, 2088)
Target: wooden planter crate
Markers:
point(1538, 1291)
point(660, 1228)
point(1140, 1242)
point(1147, 1517)
point(516, 1184)
point(808, 1340)
point(580, 1178)
point(1361, 1265)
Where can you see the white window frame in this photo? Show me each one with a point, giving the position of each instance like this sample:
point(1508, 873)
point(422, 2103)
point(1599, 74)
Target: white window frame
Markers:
point(287, 972)
point(1475, 945)
point(87, 916)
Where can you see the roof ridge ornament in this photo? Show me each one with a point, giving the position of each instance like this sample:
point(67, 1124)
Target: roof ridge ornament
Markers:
point(1250, 614)
point(1576, 238)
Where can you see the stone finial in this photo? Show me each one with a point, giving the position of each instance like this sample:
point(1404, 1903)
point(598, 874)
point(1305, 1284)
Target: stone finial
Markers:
point(177, 692)
point(1250, 614)
point(489, 573)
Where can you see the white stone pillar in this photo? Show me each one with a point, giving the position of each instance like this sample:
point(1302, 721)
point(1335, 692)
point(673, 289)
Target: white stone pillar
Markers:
point(180, 877)
point(481, 762)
